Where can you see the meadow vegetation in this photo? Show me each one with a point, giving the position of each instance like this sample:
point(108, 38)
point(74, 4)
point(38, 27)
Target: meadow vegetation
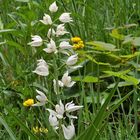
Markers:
point(69, 69)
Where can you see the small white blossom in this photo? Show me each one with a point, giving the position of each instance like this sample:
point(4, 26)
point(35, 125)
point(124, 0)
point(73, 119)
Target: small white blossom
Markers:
point(41, 97)
point(46, 20)
point(42, 68)
point(66, 80)
point(72, 60)
point(60, 30)
point(53, 7)
point(70, 107)
point(68, 131)
point(59, 110)
point(51, 47)
point(53, 119)
point(36, 41)
point(65, 17)
point(51, 32)
point(65, 45)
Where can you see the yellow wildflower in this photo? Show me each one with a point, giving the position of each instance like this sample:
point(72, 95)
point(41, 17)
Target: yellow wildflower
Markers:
point(40, 130)
point(15, 83)
point(75, 39)
point(28, 102)
point(78, 43)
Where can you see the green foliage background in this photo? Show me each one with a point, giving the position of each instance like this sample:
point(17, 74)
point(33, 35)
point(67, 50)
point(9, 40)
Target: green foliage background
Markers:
point(107, 85)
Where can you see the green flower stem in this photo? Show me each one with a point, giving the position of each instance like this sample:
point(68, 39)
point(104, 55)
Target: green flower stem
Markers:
point(56, 75)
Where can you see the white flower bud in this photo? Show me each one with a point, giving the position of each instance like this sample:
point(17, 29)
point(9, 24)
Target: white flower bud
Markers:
point(53, 7)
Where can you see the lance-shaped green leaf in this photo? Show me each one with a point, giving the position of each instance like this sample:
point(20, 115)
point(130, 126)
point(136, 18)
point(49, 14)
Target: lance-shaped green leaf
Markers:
point(124, 76)
point(102, 46)
point(117, 35)
point(99, 63)
point(87, 79)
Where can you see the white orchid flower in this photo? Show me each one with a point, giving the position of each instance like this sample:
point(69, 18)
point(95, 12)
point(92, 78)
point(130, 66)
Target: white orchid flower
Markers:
point(60, 30)
point(42, 68)
point(53, 7)
point(65, 18)
point(53, 119)
point(66, 80)
point(51, 32)
point(51, 47)
point(68, 131)
point(70, 107)
point(41, 97)
point(46, 20)
point(36, 41)
point(59, 110)
point(55, 86)
point(72, 60)
point(65, 45)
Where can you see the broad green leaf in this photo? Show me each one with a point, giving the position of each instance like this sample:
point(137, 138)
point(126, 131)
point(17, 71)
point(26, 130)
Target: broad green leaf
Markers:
point(130, 56)
point(116, 34)
point(125, 58)
point(8, 129)
point(121, 84)
point(87, 79)
point(93, 60)
point(102, 46)
point(123, 76)
point(128, 39)
point(136, 41)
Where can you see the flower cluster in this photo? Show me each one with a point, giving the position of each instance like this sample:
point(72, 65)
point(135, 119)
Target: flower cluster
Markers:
point(37, 130)
point(78, 43)
point(57, 47)
point(61, 112)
